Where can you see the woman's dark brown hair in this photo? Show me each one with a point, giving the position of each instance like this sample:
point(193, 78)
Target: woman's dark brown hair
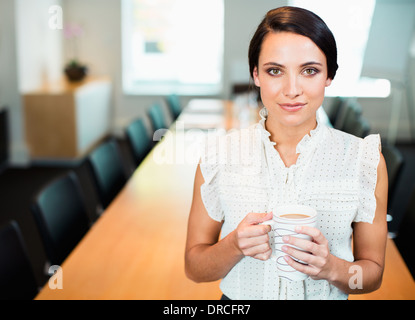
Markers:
point(299, 21)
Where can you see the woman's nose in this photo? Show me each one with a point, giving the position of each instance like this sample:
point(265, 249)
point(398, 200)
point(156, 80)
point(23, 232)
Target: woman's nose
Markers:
point(292, 87)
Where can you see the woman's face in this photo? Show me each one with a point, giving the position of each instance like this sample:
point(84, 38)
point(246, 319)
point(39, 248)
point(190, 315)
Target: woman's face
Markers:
point(292, 76)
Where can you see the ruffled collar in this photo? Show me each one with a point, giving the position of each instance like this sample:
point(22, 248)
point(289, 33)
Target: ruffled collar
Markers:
point(307, 143)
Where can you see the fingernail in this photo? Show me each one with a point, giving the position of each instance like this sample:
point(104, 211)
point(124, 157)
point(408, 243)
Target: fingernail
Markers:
point(297, 229)
point(285, 238)
point(284, 248)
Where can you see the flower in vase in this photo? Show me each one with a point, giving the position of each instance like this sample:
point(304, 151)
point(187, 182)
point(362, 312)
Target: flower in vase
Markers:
point(74, 70)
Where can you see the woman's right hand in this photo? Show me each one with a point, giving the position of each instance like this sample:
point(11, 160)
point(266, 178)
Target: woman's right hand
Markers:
point(252, 237)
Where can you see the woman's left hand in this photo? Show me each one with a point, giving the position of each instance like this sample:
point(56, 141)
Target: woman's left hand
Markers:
point(316, 254)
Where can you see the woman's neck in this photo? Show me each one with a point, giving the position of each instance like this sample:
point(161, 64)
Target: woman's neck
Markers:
point(288, 137)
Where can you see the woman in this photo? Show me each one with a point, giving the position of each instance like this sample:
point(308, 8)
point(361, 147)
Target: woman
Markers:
point(290, 157)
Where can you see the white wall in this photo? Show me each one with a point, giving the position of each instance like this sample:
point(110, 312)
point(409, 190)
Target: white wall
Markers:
point(388, 56)
point(101, 46)
point(30, 55)
point(241, 20)
point(9, 93)
point(101, 50)
point(39, 48)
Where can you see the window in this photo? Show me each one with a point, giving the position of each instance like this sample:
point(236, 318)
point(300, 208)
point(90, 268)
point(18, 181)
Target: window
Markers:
point(350, 23)
point(173, 46)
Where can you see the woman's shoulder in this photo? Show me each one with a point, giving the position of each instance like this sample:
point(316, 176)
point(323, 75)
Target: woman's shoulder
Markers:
point(346, 145)
point(338, 137)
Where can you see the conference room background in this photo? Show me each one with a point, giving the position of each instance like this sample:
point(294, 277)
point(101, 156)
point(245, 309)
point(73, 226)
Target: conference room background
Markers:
point(140, 53)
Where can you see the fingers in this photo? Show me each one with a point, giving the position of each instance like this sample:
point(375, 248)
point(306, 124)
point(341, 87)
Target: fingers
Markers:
point(250, 227)
point(256, 246)
point(255, 217)
point(246, 243)
point(263, 256)
point(314, 233)
point(313, 255)
point(253, 239)
point(254, 231)
point(304, 257)
point(318, 239)
point(304, 268)
point(262, 251)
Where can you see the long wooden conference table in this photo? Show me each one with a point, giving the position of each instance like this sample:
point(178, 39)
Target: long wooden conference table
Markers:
point(135, 250)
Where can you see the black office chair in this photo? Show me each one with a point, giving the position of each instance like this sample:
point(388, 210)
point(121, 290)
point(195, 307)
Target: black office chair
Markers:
point(349, 111)
point(394, 165)
point(351, 115)
point(107, 171)
point(60, 213)
point(174, 105)
point(335, 109)
point(17, 279)
point(138, 140)
point(4, 138)
point(404, 239)
point(359, 127)
point(239, 88)
point(158, 122)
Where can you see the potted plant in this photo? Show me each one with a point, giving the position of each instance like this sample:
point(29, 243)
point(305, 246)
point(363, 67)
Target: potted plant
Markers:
point(74, 70)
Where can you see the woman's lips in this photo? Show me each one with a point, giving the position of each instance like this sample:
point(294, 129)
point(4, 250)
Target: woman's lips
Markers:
point(292, 107)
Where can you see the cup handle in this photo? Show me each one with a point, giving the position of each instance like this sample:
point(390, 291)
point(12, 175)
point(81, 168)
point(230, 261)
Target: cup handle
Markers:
point(268, 222)
point(271, 223)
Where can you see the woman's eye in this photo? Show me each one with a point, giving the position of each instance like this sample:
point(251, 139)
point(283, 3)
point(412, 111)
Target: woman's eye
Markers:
point(274, 72)
point(310, 71)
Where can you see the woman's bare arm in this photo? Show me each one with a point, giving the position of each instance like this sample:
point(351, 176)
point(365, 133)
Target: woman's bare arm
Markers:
point(369, 244)
point(207, 258)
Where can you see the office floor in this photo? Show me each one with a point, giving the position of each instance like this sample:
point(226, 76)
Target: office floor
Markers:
point(19, 185)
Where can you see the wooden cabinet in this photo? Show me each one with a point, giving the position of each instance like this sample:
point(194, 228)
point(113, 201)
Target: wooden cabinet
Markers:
point(65, 120)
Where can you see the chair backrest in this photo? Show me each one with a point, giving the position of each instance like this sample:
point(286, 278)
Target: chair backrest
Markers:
point(405, 236)
point(107, 171)
point(359, 127)
point(17, 279)
point(335, 109)
point(157, 117)
point(238, 88)
point(349, 111)
point(174, 105)
point(350, 117)
point(138, 140)
point(61, 216)
point(394, 165)
point(4, 136)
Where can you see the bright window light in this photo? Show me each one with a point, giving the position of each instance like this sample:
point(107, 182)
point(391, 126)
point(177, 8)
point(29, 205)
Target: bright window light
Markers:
point(173, 46)
point(350, 23)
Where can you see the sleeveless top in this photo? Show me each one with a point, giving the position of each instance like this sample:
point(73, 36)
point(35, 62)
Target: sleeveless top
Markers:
point(335, 173)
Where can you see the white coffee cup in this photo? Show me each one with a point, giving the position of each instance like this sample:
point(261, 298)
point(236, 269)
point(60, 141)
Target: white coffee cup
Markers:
point(285, 219)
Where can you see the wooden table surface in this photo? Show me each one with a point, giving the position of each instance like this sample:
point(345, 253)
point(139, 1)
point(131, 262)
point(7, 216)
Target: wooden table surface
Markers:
point(135, 250)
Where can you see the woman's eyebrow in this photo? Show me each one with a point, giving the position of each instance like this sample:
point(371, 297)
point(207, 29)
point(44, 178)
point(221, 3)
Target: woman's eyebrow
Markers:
point(275, 64)
point(311, 63)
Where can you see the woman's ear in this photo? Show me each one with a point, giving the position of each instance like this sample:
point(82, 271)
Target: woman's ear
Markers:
point(328, 82)
point(256, 79)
